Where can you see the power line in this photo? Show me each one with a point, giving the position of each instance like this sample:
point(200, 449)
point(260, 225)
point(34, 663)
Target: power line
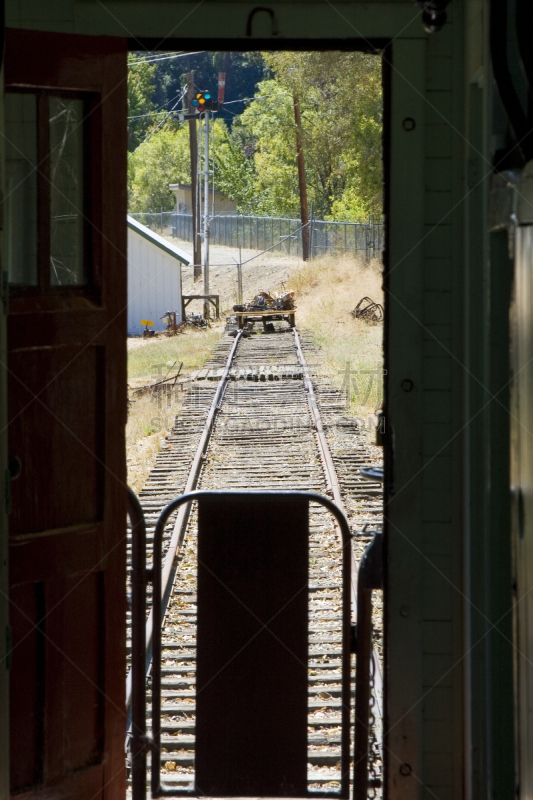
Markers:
point(159, 125)
point(244, 99)
point(146, 60)
point(149, 114)
point(161, 108)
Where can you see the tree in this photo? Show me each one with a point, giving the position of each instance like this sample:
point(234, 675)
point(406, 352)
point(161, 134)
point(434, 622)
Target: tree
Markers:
point(243, 73)
point(266, 134)
point(161, 160)
point(255, 158)
point(340, 101)
point(164, 158)
point(141, 108)
point(235, 172)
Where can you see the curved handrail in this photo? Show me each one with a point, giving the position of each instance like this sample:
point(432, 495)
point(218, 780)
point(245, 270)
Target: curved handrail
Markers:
point(159, 790)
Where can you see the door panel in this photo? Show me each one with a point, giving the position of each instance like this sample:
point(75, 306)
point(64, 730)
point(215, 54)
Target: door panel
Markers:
point(84, 673)
point(27, 683)
point(66, 229)
point(72, 439)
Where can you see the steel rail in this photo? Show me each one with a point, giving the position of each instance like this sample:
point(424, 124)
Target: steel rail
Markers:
point(332, 483)
point(163, 579)
point(184, 511)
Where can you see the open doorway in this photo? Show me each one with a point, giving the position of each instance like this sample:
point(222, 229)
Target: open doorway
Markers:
point(424, 336)
point(267, 226)
point(287, 202)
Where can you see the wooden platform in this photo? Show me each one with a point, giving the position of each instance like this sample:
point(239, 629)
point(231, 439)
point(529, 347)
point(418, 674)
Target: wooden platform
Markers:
point(265, 316)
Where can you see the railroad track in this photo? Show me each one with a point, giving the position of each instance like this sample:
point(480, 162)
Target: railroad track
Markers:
point(270, 425)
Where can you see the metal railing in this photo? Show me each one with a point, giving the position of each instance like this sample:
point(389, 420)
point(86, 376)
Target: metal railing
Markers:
point(142, 743)
point(261, 233)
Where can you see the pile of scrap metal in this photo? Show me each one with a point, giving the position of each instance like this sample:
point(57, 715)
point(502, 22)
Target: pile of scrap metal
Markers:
point(197, 321)
point(266, 309)
point(368, 310)
point(173, 327)
point(161, 385)
point(263, 301)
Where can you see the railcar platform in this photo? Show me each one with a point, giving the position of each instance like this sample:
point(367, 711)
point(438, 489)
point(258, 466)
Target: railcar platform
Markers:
point(264, 316)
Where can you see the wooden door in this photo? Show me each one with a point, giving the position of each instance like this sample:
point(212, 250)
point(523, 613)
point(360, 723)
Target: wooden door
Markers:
point(65, 218)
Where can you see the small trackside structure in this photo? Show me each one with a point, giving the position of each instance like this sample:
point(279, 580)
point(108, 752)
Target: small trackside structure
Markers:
point(154, 278)
point(266, 308)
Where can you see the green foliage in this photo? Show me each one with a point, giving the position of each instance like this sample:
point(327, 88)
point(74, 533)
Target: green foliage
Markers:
point(141, 87)
point(255, 158)
point(162, 159)
point(165, 158)
point(266, 134)
point(340, 101)
point(235, 173)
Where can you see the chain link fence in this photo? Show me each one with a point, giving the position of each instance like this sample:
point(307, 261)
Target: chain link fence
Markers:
point(260, 233)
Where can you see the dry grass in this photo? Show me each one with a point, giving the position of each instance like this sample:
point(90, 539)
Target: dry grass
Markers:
point(143, 441)
point(150, 417)
point(154, 355)
point(327, 289)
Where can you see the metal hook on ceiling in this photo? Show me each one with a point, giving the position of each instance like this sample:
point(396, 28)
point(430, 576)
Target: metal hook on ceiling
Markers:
point(433, 14)
point(257, 10)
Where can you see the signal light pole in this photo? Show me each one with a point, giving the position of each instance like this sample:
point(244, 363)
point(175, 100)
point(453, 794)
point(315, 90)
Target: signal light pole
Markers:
point(196, 241)
point(202, 103)
point(206, 212)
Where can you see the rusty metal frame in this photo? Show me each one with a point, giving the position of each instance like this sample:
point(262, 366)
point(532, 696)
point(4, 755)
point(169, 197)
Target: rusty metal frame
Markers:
point(159, 790)
point(370, 577)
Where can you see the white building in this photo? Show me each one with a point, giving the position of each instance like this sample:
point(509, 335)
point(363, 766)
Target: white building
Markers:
point(154, 278)
point(222, 204)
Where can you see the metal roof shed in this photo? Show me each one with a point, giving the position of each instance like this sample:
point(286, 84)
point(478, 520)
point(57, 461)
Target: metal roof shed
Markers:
point(154, 277)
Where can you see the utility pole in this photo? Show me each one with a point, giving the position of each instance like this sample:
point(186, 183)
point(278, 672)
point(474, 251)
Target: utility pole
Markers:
point(206, 212)
point(239, 279)
point(196, 243)
point(304, 211)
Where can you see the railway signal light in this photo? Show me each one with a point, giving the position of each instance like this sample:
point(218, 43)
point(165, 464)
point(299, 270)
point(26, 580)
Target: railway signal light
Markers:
point(204, 102)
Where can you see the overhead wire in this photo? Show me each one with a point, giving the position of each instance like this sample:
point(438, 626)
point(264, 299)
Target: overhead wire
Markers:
point(244, 99)
point(147, 60)
point(142, 116)
point(159, 110)
point(160, 123)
